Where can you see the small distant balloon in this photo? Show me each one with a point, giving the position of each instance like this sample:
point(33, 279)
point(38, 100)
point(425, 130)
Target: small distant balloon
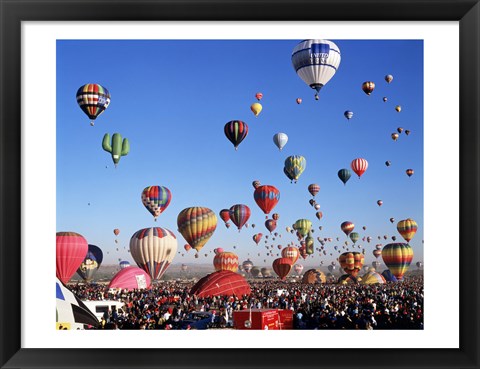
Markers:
point(389, 78)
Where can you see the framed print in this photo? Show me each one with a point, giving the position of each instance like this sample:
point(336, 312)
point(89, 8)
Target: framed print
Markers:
point(254, 184)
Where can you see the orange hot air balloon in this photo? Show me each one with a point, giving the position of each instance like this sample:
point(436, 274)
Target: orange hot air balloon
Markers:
point(225, 215)
point(291, 253)
point(226, 261)
point(187, 247)
point(359, 166)
point(116, 231)
point(347, 227)
point(351, 262)
point(282, 267)
point(368, 87)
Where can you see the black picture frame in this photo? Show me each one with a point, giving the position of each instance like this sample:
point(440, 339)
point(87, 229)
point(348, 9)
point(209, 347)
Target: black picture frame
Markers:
point(13, 12)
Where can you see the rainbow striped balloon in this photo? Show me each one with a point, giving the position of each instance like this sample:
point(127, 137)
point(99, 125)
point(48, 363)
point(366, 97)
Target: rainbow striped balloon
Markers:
point(239, 214)
point(236, 131)
point(156, 199)
point(93, 99)
point(197, 224)
point(397, 257)
point(407, 228)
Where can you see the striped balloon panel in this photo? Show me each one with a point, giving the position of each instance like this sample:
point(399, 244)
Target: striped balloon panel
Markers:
point(156, 199)
point(93, 99)
point(359, 166)
point(291, 253)
point(282, 266)
point(239, 214)
point(407, 228)
point(372, 278)
point(316, 61)
point(226, 261)
point(314, 189)
point(266, 197)
point(351, 262)
point(294, 166)
point(236, 131)
point(153, 249)
point(71, 249)
point(197, 225)
point(397, 257)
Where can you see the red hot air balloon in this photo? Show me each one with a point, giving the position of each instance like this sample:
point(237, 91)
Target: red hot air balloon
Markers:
point(257, 238)
point(282, 267)
point(239, 215)
point(266, 197)
point(271, 225)
point(187, 247)
point(116, 231)
point(314, 189)
point(359, 166)
point(225, 215)
point(258, 96)
point(347, 227)
point(71, 251)
point(379, 202)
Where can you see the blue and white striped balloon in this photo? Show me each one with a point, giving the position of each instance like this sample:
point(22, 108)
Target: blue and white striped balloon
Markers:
point(280, 140)
point(316, 62)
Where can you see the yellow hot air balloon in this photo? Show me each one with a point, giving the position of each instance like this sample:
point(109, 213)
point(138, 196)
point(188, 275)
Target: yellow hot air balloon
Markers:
point(256, 108)
point(398, 108)
point(197, 224)
point(407, 228)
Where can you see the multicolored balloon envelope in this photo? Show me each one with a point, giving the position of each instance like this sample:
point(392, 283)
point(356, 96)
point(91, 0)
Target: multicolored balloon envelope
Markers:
point(266, 197)
point(351, 262)
point(397, 257)
point(156, 199)
point(294, 167)
point(91, 263)
point(153, 249)
point(93, 99)
point(291, 253)
point(239, 214)
point(236, 131)
point(407, 228)
point(197, 225)
point(70, 253)
point(226, 261)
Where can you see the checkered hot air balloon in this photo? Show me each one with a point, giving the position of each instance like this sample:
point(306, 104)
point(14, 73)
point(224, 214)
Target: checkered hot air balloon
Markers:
point(397, 257)
point(93, 99)
point(291, 253)
point(156, 199)
point(197, 225)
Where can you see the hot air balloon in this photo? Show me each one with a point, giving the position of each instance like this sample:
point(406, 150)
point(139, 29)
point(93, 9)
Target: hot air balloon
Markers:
point(280, 140)
point(314, 189)
point(91, 263)
point(303, 226)
point(298, 268)
point(247, 265)
point(409, 172)
point(266, 272)
point(354, 236)
point(392, 220)
point(319, 215)
point(93, 99)
point(291, 253)
point(225, 261)
point(351, 262)
point(348, 114)
point(315, 62)
point(256, 183)
point(197, 224)
point(153, 249)
point(71, 250)
point(217, 250)
point(236, 131)
point(395, 136)
point(294, 166)
point(398, 108)
point(299, 101)
point(397, 257)
point(257, 237)
point(117, 147)
point(156, 199)
point(347, 227)
point(385, 99)
point(377, 253)
point(388, 163)
point(379, 202)
point(368, 87)
point(389, 78)
point(225, 215)
point(317, 206)
point(407, 228)
point(271, 225)
point(399, 129)
point(309, 242)
point(116, 231)
point(266, 197)
point(239, 214)
point(256, 108)
point(372, 277)
point(419, 264)
point(282, 267)
point(124, 264)
point(275, 216)
point(258, 96)
point(407, 132)
point(344, 175)
point(359, 166)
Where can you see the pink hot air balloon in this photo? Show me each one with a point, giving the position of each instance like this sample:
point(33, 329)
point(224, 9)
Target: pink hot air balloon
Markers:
point(218, 250)
point(131, 278)
point(71, 251)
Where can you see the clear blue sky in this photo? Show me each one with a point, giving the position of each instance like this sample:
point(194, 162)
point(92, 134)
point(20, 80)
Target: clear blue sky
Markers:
point(171, 99)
